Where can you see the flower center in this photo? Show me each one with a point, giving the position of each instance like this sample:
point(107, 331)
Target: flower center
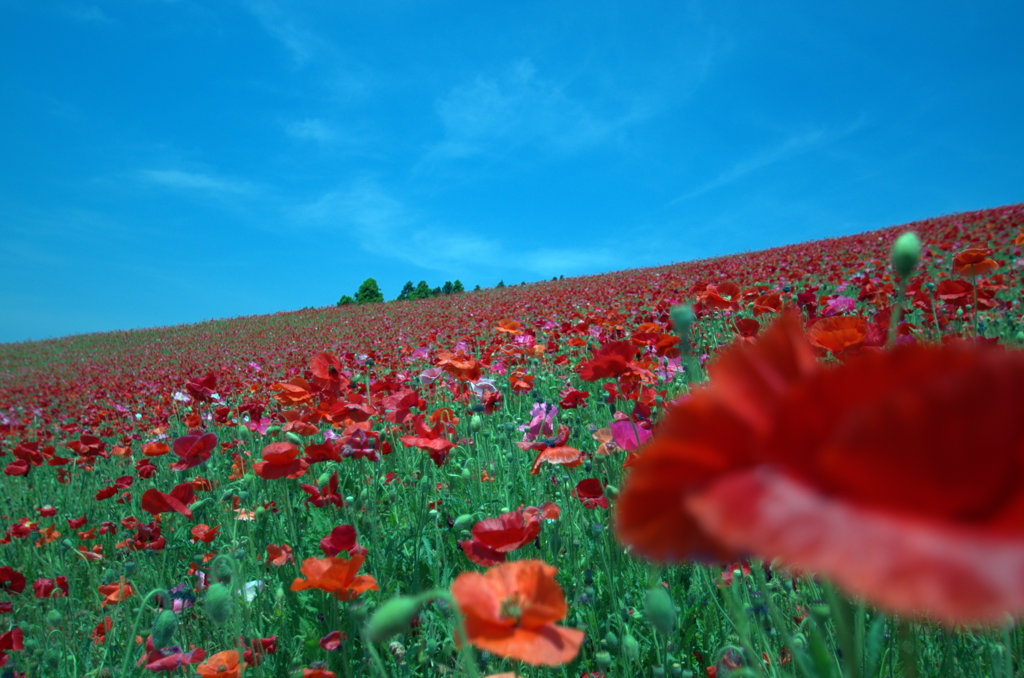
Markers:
point(512, 607)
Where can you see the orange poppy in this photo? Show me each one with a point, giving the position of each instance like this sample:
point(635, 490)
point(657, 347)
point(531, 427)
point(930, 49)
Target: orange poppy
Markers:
point(114, 593)
point(838, 334)
point(336, 576)
point(226, 664)
point(859, 472)
point(974, 261)
point(510, 611)
point(562, 456)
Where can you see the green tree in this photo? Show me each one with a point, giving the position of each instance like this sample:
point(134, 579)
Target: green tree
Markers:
point(477, 288)
point(501, 283)
point(369, 292)
point(447, 287)
point(346, 300)
point(436, 291)
point(457, 287)
point(422, 291)
point(407, 291)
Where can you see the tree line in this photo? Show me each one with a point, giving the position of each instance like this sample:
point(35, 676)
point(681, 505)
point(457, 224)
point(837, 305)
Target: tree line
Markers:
point(369, 292)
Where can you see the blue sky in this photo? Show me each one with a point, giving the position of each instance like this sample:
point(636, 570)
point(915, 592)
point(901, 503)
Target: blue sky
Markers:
point(169, 161)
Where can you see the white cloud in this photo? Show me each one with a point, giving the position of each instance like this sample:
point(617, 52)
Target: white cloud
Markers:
point(194, 181)
point(383, 225)
point(519, 107)
point(300, 42)
point(795, 145)
point(311, 128)
point(89, 14)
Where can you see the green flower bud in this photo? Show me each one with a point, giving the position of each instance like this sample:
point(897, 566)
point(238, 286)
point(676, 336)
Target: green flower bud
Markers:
point(611, 640)
point(54, 618)
point(660, 611)
point(466, 474)
point(476, 422)
point(164, 626)
point(658, 671)
point(393, 617)
point(271, 430)
point(906, 252)
point(51, 658)
point(323, 478)
point(293, 438)
point(464, 522)
point(611, 491)
point(218, 603)
point(630, 647)
point(603, 660)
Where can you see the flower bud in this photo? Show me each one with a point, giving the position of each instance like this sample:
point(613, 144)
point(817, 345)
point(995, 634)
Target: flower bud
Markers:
point(630, 647)
point(660, 611)
point(476, 422)
point(54, 618)
point(611, 640)
point(464, 522)
point(164, 626)
point(218, 603)
point(393, 617)
point(906, 252)
point(603, 660)
point(294, 438)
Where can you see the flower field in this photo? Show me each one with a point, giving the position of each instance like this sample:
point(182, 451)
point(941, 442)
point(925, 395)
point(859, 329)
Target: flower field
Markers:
point(807, 461)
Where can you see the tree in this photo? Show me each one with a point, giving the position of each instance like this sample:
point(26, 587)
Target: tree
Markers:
point(501, 283)
point(369, 292)
point(422, 291)
point(477, 288)
point(436, 291)
point(457, 287)
point(407, 291)
point(447, 287)
point(346, 300)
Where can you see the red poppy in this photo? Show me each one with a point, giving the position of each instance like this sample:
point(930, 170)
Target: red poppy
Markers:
point(610, 360)
point(839, 335)
point(974, 261)
point(280, 461)
point(99, 633)
point(44, 588)
point(194, 449)
point(204, 533)
point(747, 327)
point(511, 611)
point(202, 389)
point(11, 580)
point(156, 502)
point(278, 555)
point(336, 576)
point(341, 538)
point(568, 457)
point(781, 457)
point(590, 493)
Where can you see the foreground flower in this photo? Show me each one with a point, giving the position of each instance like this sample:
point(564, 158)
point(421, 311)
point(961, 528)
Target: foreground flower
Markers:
point(224, 664)
point(336, 576)
point(510, 611)
point(895, 474)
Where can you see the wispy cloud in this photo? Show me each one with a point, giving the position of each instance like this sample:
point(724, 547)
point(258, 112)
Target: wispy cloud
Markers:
point(88, 14)
point(195, 181)
point(383, 225)
point(301, 42)
point(793, 146)
point(312, 129)
point(516, 108)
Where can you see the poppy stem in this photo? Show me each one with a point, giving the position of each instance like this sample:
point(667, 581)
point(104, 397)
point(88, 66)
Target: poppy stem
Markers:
point(842, 617)
point(906, 647)
point(897, 312)
point(135, 625)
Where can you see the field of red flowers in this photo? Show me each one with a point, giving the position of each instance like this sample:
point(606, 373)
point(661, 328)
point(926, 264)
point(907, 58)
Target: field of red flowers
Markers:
point(805, 461)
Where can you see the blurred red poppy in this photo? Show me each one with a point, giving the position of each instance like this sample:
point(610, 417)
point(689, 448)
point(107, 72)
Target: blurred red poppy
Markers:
point(590, 493)
point(818, 467)
point(610, 360)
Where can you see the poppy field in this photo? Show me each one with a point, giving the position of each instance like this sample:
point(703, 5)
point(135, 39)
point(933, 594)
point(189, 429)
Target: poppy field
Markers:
point(806, 461)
